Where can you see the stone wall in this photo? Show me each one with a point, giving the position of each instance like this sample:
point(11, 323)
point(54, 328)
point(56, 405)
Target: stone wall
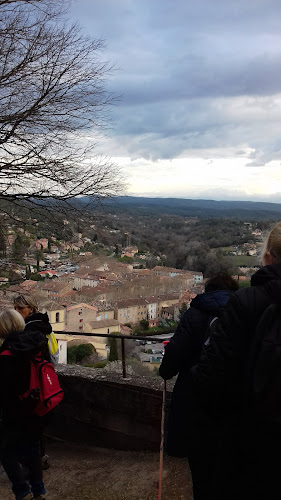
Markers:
point(105, 410)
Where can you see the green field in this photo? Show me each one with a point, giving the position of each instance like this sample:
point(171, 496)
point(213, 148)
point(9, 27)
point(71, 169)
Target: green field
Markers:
point(244, 260)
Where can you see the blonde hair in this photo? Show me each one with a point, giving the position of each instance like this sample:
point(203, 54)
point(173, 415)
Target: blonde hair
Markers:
point(26, 301)
point(10, 321)
point(273, 242)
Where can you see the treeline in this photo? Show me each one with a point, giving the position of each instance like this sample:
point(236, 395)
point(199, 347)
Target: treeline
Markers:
point(174, 241)
point(171, 240)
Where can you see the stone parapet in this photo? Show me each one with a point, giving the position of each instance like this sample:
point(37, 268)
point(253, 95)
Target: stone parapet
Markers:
point(106, 410)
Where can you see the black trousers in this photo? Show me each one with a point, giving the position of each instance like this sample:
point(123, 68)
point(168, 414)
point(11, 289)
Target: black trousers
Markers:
point(18, 447)
point(249, 464)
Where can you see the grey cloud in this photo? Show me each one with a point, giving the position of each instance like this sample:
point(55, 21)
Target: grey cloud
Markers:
point(167, 131)
point(177, 60)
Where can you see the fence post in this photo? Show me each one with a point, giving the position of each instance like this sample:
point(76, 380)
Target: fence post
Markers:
point(123, 357)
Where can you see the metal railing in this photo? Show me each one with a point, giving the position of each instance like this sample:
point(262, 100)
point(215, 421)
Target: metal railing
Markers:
point(122, 337)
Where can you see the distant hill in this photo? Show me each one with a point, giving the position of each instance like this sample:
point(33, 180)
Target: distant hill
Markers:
point(242, 210)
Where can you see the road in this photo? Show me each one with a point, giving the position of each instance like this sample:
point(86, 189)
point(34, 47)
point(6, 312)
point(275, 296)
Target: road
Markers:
point(156, 347)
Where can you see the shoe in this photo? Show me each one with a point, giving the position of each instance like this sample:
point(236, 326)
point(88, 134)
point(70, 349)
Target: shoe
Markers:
point(29, 496)
point(39, 497)
point(45, 464)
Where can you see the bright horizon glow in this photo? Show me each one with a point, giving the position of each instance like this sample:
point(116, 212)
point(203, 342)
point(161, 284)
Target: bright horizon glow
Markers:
point(218, 179)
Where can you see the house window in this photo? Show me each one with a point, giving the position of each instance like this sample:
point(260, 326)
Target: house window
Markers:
point(57, 317)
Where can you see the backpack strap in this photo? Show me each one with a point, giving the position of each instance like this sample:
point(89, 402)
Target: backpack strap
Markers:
point(7, 352)
point(208, 331)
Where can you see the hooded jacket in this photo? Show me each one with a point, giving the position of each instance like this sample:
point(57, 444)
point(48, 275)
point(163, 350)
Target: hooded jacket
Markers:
point(184, 348)
point(248, 452)
point(223, 364)
point(181, 353)
point(15, 373)
point(40, 322)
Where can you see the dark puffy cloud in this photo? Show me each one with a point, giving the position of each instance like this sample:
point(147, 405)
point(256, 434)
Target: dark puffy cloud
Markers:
point(192, 75)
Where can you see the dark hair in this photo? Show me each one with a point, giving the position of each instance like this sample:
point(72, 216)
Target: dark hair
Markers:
point(221, 281)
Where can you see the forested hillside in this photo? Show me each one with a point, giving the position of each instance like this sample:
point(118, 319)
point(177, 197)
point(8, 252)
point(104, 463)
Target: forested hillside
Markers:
point(195, 244)
point(203, 243)
point(242, 210)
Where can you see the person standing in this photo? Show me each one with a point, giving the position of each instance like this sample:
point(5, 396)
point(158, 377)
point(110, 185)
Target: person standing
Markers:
point(189, 433)
point(21, 430)
point(27, 306)
point(250, 459)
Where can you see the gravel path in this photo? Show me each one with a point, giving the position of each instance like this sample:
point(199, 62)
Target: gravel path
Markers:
point(101, 474)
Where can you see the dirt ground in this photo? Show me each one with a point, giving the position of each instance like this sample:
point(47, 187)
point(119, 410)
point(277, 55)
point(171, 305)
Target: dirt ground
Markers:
point(88, 473)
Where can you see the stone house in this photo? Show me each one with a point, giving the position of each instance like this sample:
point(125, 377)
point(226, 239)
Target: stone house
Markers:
point(28, 287)
point(91, 280)
point(129, 251)
point(103, 326)
point(55, 289)
point(130, 310)
point(79, 314)
point(56, 313)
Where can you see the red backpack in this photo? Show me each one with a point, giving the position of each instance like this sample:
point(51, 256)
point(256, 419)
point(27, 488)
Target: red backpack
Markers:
point(44, 392)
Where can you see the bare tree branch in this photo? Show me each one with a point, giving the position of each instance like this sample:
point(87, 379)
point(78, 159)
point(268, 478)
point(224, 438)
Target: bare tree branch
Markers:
point(52, 91)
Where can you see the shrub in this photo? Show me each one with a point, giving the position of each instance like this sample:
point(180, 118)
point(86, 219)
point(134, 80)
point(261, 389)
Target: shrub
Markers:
point(100, 364)
point(156, 371)
point(76, 353)
point(83, 351)
point(71, 355)
point(144, 324)
point(113, 353)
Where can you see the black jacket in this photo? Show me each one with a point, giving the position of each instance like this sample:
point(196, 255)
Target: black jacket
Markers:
point(248, 458)
point(223, 364)
point(15, 374)
point(184, 348)
point(181, 353)
point(40, 322)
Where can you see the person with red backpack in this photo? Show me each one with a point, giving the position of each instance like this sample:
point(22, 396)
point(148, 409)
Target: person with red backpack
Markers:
point(21, 426)
point(27, 306)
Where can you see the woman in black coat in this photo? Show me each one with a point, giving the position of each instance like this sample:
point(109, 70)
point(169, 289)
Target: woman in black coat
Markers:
point(189, 434)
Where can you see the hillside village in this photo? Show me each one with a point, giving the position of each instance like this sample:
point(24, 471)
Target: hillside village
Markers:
point(108, 297)
point(112, 291)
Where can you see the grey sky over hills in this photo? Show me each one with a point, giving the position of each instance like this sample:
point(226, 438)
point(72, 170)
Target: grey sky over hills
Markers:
point(198, 80)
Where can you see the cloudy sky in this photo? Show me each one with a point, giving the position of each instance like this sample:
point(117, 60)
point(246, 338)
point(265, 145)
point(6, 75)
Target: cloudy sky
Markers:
point(200, 113)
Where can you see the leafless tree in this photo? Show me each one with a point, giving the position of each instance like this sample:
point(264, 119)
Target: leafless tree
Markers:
point(53, 105)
